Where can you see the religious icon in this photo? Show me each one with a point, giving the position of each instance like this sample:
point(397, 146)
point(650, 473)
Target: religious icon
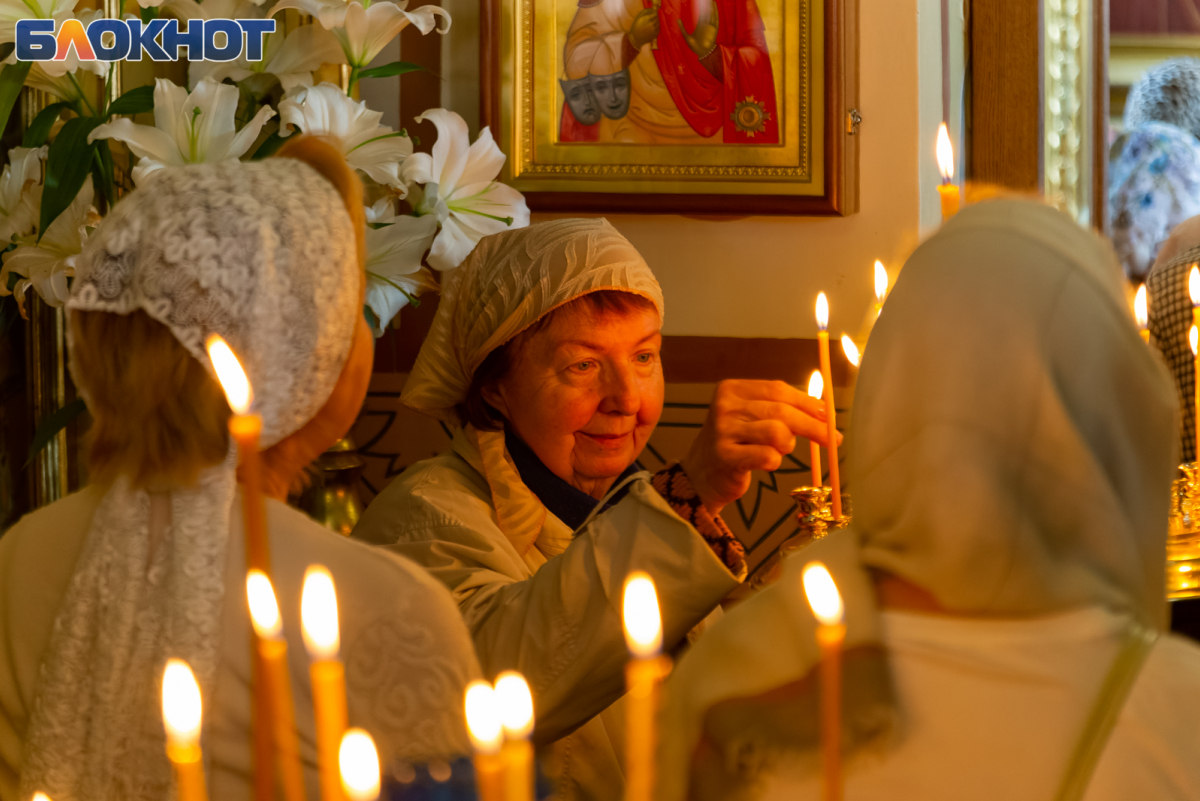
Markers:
point(673, 105)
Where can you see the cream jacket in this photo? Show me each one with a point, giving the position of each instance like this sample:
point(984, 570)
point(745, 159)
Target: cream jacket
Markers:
point(561, 625)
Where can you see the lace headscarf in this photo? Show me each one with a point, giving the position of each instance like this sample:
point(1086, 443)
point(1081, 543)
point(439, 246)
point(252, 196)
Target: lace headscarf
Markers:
point(263, 254)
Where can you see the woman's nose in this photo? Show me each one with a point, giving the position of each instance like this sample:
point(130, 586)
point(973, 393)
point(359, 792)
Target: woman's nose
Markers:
point(621, 394)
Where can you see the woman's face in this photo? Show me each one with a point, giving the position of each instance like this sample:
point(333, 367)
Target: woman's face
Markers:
point(585, 392)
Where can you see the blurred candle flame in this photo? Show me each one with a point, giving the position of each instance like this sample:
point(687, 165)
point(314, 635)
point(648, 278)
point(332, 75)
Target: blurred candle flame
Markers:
point(515, 703)
point(264, 610)
point(945, 154)
point(823, 595)
point(359, 763)
point(1194, 285)
point(40, 797)
point(1140, 310)
point(881, 281)
point(319, 613)
point(181, 705)
point(850, 349)
point(822, 311)
point(643, 622)
point(816, 385)
point(230, 374)
point(483, 718)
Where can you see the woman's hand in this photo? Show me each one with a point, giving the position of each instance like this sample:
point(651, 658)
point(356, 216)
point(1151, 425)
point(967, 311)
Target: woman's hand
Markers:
point(751, 425)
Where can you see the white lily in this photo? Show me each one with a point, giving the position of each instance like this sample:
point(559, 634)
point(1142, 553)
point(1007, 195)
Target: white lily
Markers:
point(20, 192)
point(59, 77)
point(394, 272)
point(290, 58)
point(375, 149)
point(188, 128)
point(461, 189)
point(47, 264)
point(365, 28)
point(13, 10)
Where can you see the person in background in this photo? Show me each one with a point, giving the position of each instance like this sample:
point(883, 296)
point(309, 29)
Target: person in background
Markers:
point(1154, 181)
point(1004, 574)
point(147, 563)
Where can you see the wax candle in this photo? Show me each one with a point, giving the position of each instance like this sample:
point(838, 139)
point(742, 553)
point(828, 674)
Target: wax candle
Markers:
point(277, 685)
point(358, 762)
point(515, 704)
point(826, 604)
point(40, 797)
point(830, 412)
point(945, 158)
point(881, 286)
point(319, 623)
point(851, 350)
point(1141, 313)
point(643, 676)
point(816, 388)
point(1193, 336)
point(245, 429)
point(182, 711)
point(486, 731)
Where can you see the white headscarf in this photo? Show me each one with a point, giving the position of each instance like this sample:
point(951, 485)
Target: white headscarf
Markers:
point(263, 254)
point(1012, 452)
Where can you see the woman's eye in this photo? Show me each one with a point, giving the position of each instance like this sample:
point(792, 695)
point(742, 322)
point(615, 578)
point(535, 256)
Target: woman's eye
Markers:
point(583, 367)
point(645, 358)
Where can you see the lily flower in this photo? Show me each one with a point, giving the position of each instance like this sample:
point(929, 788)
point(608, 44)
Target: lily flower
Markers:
point(188, 128)
point(20, 191)
point(365, 28)
point(47, 264)
point(461, 189)
point(288, 58)
point(13, 10)
point(375, 149)
point(395, 275)
point(59, 78)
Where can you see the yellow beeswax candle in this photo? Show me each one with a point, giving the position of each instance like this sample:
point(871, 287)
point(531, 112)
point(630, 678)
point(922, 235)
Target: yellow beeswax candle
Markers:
point(358, 762)
point(816, 388)
point(182, 711)
point(643, 678)
point(515, 703)
point(835, 479)
point(826, 603)
point(319, 622)
point(486, 731)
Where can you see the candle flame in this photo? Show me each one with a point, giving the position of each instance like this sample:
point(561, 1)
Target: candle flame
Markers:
point(515, 703)
point(851, 350)
point(264, 610)
point(359, 764)
point(1194, 285)
point(1192, 336)
point(816, 385)
point(643, 622)
point(1140, 310)
point(230, 374)
point(881, 281)
point(40, 797)
point(945, 154)
point(181, 705)
point(822, 311)
point(823, 595)
point(319, 613)
point(483, 718)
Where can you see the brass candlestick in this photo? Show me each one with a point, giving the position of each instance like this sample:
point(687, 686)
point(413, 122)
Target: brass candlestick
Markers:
point(1183, 535)
point(816, 520)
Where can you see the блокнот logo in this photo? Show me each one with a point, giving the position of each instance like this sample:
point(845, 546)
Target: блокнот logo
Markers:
point(128, 39)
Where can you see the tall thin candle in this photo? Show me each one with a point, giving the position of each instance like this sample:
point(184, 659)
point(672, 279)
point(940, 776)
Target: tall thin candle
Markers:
point(816, 388)
point(515, 703)
point(1193, 336)
point(835, 479)
point(1141, 313)
point(182, 712)
point(319, 622)
point(486, 731)
point(643, 677)
point(826, 604)
point(358, 760)
point(945, 158)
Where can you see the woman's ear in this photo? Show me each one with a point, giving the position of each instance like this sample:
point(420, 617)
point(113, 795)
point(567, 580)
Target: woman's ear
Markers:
point(494, 395)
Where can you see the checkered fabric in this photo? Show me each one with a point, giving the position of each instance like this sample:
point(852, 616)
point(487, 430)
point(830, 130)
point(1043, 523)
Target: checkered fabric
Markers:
point(1170, 320)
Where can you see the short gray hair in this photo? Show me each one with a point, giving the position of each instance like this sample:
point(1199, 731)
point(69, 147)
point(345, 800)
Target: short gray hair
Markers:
point(1168, 92)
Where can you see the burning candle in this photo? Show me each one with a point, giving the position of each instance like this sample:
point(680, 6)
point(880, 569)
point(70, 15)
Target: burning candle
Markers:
point(851, 350)
point(515, 704)
point(826, 604)
point(277, 685)
point(816, 388)
point(182, 711)
point(358, 761)
point(319, 623)
point(1141, 313)
point(1194, 292)
point(643, 675)
point(830, 412)
point(881, 286)
point(40, 797)
point(486, 731)
point(945, 159)
point(1193, 337)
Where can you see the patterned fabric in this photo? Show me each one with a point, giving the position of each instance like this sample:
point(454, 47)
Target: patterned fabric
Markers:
point(1155, 185)
point(673, 484)
point(263, 254)
point(1170, 319)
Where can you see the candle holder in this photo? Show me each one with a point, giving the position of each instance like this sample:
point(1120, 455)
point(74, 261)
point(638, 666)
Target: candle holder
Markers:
point(1183, 535)
point(815, 517)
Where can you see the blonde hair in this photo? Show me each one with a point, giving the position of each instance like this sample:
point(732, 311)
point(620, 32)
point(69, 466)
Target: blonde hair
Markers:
point(160, 418)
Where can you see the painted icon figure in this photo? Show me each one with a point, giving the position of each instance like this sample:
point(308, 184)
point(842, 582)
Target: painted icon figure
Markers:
point(612, 93)
point(582, 99)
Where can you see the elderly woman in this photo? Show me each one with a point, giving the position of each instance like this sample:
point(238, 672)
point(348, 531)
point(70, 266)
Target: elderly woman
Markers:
point(148, 563)
point(545, 356)
point(1007, 554)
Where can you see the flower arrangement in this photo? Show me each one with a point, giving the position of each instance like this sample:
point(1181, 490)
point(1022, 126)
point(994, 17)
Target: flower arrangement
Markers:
point(83, 151)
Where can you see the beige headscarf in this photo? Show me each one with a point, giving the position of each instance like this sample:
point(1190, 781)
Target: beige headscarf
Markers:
point(509, 282)
point(1012, 453)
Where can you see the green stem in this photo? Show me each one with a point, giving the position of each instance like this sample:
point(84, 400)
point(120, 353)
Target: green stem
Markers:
point(376, 139)
point(460, 210)
point(82, 96)
point(411, 300)
point(353, 80)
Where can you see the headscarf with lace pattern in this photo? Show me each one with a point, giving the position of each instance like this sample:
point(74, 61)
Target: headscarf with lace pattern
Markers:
point(510, 281)
point(264, 255)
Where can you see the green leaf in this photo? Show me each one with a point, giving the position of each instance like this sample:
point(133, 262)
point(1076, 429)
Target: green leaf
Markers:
point(135, 101)
point(149, 14)
point(372, 320)
point(49, 427)
point(102, 172)
point(271, 144)
point(389, 70)
point(11, 81)
point(13, 278)
point(67, 167)
point(39, 130)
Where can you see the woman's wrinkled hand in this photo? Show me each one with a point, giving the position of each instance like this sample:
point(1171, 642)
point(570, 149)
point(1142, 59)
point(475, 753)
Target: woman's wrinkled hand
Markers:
point(751, 425)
